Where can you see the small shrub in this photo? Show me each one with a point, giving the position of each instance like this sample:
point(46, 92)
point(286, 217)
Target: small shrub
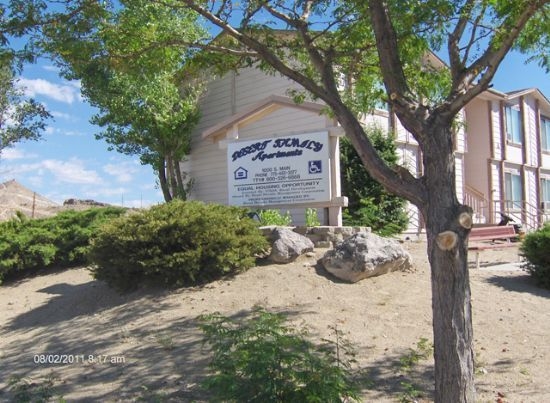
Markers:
point(382, 215)
point(423, 351)
point(63, 240)
point(264, 360)
point(25, 390)
point(407, 362)
point(536, 249)
point(274, 217)
point(312, 219)
point(175, 244)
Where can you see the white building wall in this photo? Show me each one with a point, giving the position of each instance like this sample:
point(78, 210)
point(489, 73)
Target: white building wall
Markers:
point(496, 130)
point(531, 187)
point(459, 169)
point(495, 171)
point(225, 97)
point(531, 133)
point(378, 119)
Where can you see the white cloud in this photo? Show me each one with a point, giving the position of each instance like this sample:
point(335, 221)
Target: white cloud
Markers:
point(49, 130)
point(72, 133)
point(59, 92)
point(49, 67)
point(122, 172)
point(72, 171)
point(10, 154)
point(62, 115)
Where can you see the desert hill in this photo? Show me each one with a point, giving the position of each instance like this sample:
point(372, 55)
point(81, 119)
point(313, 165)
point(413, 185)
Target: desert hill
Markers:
point(16, 197)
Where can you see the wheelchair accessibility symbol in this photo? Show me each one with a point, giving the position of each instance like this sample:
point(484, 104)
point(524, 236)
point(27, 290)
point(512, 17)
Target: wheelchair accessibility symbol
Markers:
point(315, 167)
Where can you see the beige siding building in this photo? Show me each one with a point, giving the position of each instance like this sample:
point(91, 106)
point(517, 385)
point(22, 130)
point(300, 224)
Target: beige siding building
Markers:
point(251, 105)
point(502, 149)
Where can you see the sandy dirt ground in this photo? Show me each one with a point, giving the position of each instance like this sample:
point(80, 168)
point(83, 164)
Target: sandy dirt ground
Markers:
point(146, 346)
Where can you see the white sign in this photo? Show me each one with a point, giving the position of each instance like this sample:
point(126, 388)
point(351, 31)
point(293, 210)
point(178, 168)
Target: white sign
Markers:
point(278, 171)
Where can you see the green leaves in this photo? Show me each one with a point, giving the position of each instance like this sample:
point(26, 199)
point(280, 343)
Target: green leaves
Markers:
point(536, 250)
point(263, 360)
point(30, 245)
point(20, 118)
point(130, 60)
point(176, 244)
point(369, 204)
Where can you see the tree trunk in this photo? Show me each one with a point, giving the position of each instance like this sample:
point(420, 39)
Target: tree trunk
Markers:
point(448, 224)
point(181, 192)
point(171, 174)
point(163, 182)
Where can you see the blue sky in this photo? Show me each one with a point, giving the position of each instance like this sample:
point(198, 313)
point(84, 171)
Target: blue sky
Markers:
point(70, 163)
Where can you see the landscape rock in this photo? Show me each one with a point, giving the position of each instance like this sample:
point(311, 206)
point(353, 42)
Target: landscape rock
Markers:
point(288, 245)
point(365, 255)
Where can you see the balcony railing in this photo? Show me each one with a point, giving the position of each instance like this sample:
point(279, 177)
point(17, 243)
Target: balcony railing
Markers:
point(530, 216)
point(477, 201)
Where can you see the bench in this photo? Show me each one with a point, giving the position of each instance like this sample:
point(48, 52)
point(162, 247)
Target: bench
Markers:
point(480, 235)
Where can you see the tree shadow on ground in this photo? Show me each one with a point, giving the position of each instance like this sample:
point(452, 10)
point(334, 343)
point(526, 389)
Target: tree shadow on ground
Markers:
point(121, 357)
point(389, 377)
point(74, 300)
point(522, 283)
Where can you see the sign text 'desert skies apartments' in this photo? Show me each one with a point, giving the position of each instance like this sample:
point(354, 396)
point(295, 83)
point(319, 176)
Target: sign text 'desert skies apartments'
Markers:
point(279, 171)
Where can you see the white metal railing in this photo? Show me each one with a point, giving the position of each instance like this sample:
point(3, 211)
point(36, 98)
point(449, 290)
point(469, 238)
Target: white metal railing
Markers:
point(477, 201)
point(530, 216)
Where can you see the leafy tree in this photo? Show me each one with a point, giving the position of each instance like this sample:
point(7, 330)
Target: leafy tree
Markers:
point(146, 107)
point(363, 41)
point(369, 204)
point(379, 49)
point(20, 118)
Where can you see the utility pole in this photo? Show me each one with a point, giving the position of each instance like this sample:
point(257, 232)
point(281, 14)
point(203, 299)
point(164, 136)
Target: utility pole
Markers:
point(33, 204)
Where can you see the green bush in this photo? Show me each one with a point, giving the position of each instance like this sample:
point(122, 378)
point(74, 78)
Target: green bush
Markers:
point(28, 245)
point(368, 203)
point(263, 360)
point(312, 219)
point(175, 244)
point(536, 249)
point(274, 217)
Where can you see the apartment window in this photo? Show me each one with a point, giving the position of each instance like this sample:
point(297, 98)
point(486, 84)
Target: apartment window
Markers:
point(514, 132)
point(513, 190)
point(545, 188)
point(545, 133)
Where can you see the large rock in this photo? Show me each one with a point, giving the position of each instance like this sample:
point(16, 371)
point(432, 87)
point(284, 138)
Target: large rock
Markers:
point(288, 245)
point(365, 255)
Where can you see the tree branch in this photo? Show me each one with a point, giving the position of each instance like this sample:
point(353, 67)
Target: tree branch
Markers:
point(485, 67)
point(410, 112)
point(456, 62)
point(403, 185)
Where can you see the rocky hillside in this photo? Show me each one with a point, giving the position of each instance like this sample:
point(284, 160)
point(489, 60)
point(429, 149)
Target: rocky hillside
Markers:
point(14, 197)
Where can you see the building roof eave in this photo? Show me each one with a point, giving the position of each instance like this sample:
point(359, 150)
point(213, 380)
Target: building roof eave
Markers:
point(259, 110)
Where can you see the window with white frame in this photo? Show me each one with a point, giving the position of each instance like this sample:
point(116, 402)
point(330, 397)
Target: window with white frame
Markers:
point(545, 193)
point(513, 190)
point(545, 133)
point(514, 132)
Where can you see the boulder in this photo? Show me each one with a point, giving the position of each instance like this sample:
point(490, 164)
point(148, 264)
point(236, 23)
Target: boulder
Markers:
point(365, 255)
point(288, 245)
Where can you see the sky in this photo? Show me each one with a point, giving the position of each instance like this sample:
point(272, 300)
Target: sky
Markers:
point(70, 163)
